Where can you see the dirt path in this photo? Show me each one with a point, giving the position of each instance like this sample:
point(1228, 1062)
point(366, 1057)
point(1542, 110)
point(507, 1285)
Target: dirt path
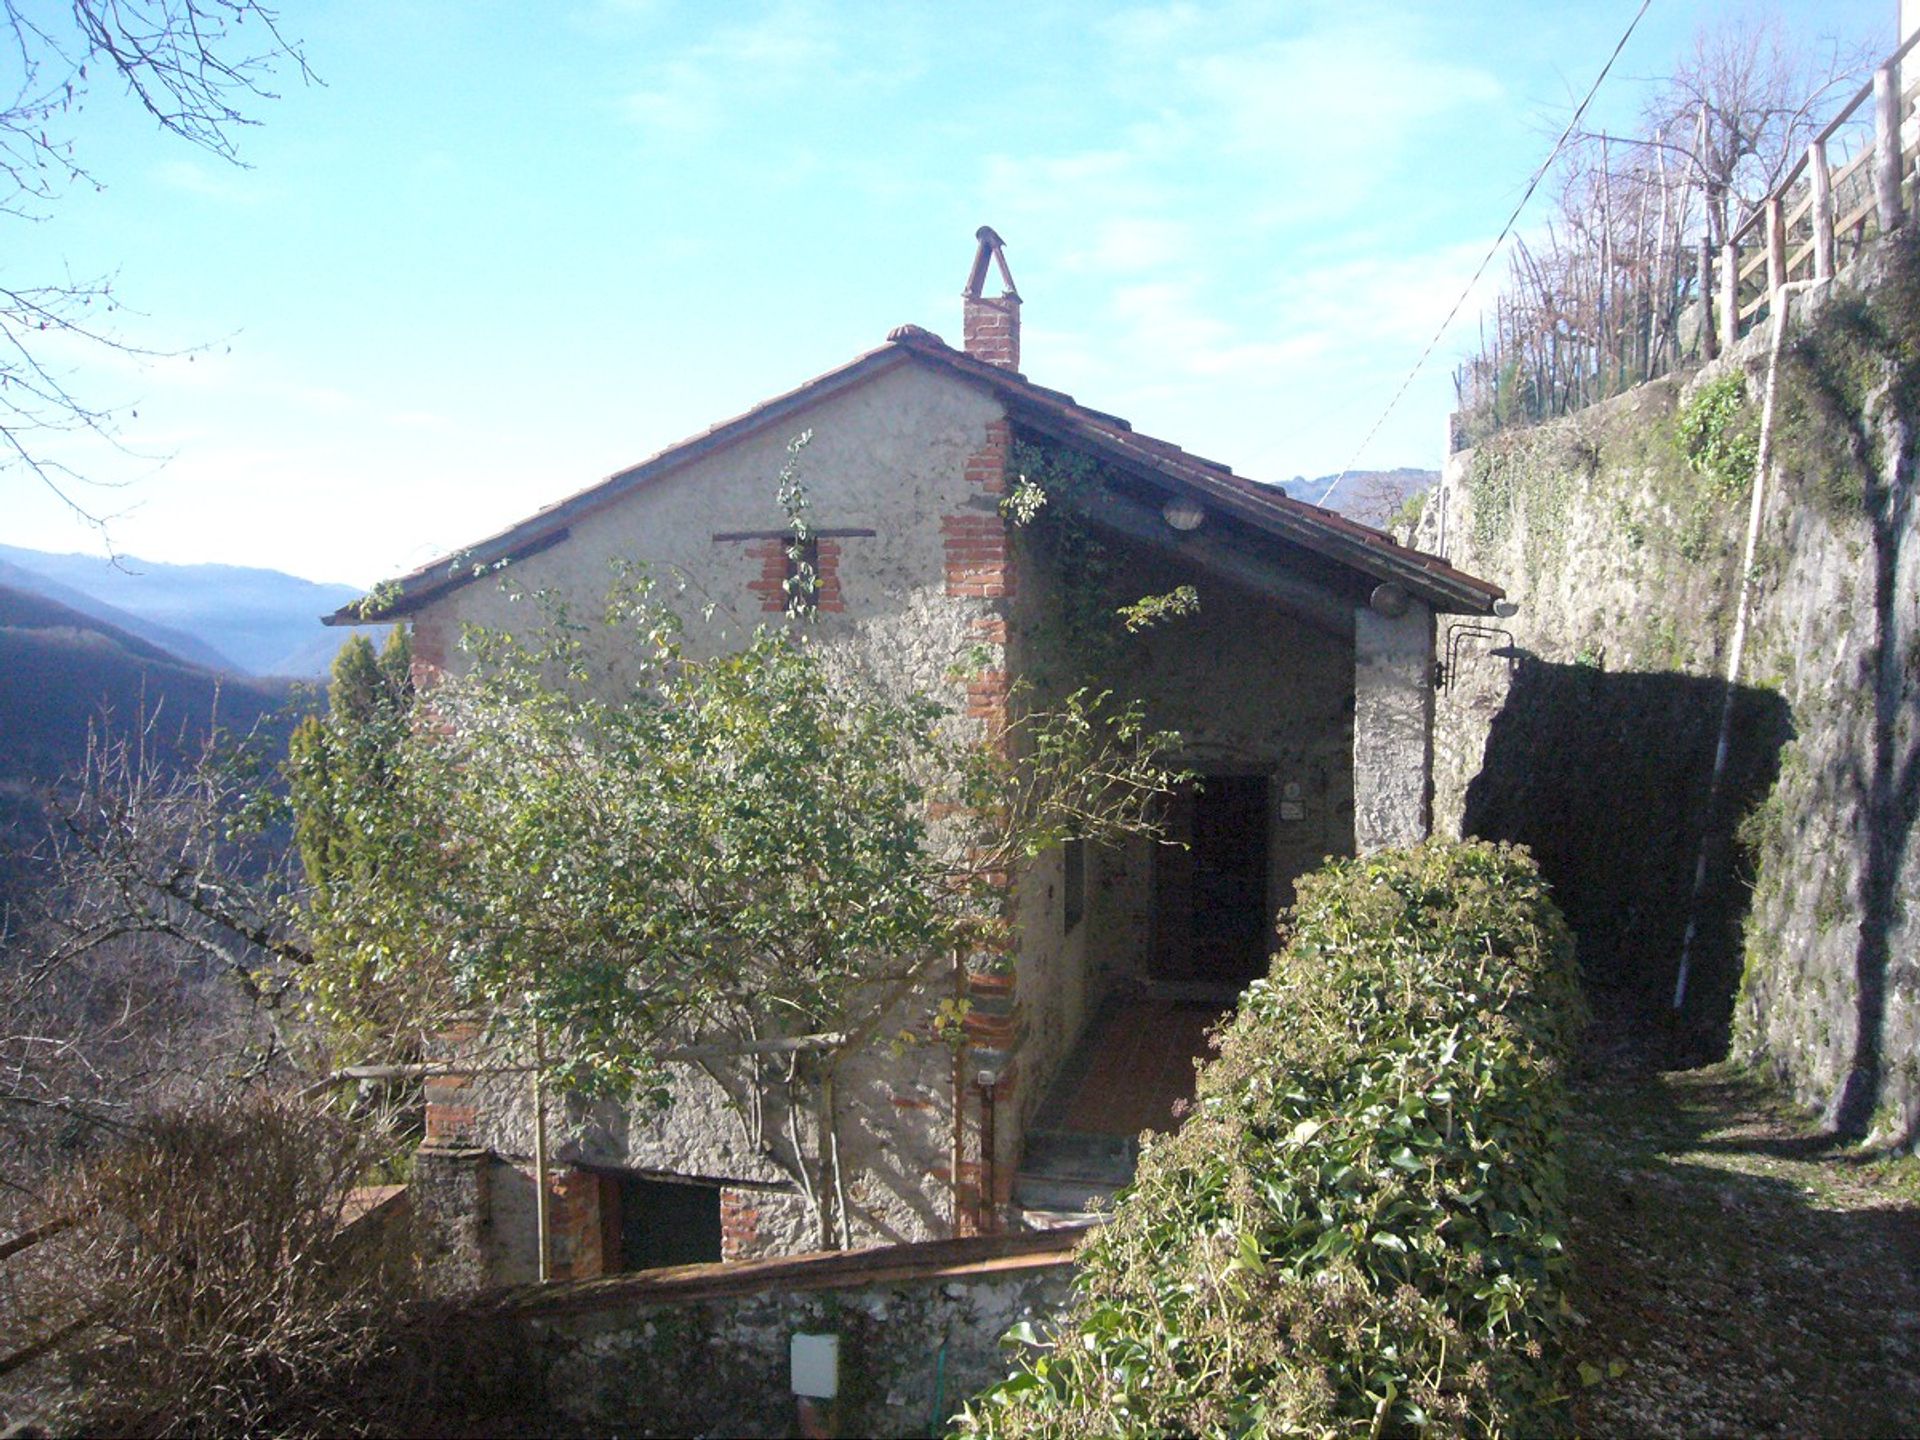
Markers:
point(1737, 1273)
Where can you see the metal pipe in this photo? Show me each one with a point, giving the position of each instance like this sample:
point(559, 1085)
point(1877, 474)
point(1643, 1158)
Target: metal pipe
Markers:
point(1736, 650)
point(541, 1219)
point(988, 1180)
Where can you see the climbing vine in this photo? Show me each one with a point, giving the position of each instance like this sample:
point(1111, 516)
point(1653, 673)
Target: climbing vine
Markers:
point(1082, 628)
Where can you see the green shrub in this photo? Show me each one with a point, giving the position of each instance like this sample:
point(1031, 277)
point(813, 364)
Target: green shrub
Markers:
point(1357, 1229)
point(1719, 433)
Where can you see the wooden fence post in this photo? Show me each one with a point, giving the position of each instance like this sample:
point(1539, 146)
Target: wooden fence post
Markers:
point(1886, 151)
point(1709, 330)
point(1776, 245)
point(1729, 295)
point(1822, 211)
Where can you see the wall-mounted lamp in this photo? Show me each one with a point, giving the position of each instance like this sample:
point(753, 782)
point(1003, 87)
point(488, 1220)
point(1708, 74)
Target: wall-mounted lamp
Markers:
point(1183, 514)
point(1389, 600)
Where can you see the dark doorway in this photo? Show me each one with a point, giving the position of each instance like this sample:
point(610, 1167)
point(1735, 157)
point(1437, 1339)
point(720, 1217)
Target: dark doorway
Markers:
point(663, 1222)
point(1210, 898)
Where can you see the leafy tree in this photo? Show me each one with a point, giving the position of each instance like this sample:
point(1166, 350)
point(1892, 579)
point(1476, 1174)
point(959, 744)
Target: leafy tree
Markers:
point(338, 764)
point(726, 860)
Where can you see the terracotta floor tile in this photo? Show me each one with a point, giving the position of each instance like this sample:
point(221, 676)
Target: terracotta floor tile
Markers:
point(1141, 1062)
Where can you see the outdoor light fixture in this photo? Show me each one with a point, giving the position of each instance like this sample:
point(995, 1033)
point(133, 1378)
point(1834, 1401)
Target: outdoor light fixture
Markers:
point(1183, 514)
point(1389, 600)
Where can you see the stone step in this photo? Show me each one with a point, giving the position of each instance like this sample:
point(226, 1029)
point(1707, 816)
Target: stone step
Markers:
point(1080, 1155)
point(1061, 1198)
point(1033, 1218)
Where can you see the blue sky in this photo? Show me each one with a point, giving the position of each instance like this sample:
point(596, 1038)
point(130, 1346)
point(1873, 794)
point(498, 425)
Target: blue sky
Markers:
point(505, 249)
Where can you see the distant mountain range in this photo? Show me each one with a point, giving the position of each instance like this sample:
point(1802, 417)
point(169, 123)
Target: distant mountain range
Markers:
point(1372, 497)
point(230, 618)
point(62, 670)
point(66, 675)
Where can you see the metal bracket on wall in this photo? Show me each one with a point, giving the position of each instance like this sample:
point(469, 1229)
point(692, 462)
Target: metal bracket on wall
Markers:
point(1458, 634)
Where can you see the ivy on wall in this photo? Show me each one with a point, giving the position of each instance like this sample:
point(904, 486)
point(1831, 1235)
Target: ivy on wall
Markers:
point(1082, 636)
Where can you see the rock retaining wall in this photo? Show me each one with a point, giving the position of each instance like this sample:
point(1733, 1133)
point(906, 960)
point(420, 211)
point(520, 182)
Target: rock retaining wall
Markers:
point(1593, 741)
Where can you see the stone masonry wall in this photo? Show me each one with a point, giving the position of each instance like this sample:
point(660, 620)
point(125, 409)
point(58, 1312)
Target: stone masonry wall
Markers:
point(913, 1349)
point(1596, 742)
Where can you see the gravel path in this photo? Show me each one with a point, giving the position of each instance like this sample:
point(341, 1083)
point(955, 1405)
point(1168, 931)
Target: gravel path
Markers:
point(1736, 1272)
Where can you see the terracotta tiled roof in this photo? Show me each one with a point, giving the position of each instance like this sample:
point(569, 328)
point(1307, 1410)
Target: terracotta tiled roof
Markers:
point(1265, 508)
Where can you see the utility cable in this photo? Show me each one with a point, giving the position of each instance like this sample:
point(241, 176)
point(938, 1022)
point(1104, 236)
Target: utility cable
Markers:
point(1492, 250)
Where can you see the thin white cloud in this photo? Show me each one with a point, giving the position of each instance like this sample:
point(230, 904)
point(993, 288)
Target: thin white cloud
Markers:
point(1133, 243)
point(788, 50)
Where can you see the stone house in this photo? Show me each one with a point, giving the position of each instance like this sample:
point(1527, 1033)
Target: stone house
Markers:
point(1302, 688)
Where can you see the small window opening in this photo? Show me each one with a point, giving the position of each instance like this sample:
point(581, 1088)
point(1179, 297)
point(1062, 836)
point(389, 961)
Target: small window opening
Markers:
point(802, 582)
point(1074, 883)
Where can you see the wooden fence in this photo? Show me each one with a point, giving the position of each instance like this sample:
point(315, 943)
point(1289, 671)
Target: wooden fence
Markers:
point(1849, 187)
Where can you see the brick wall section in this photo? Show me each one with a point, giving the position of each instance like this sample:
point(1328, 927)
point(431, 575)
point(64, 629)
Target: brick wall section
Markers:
point(771, 587)
point(976, 556)
point(429, 647)
point(452, 1117)
point(991, 330)
point(987, 466)
point(739, 1223)
point(979, 569)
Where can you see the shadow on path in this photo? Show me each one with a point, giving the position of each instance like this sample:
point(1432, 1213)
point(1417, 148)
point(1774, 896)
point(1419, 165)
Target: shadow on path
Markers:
point(1744, 1273)
point(1605, 777)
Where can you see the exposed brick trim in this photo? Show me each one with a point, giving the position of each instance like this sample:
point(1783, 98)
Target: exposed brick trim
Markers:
point(990, 329)
point(987, 466)
point(429, 649)
point(451, 1125)
point(987, 693)
point(976, 556)
point(739, 1223)
point(776, 567)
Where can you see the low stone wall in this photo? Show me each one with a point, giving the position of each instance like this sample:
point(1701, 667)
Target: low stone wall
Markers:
point(703, 1349)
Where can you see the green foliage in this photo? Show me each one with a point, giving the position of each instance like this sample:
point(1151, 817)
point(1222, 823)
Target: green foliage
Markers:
point(1024, 501)
point(1357, 1230)
point(1534, 474)
point(1083, 630)
point(1151, 610)
point(1694, 538)
point(802, 584)
point(1406, 519)
point(725, 848)
point(1719, 434)
point(340, 764)
point(1859, 361)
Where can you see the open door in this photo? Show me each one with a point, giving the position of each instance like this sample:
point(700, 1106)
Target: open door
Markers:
point(1210, 898)
point(647, 1223)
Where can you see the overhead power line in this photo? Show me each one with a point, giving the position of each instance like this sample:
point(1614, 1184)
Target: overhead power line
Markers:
point(1492, 250)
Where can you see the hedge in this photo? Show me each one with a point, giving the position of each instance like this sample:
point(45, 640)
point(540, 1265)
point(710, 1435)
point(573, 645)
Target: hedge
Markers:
point(1357, 1229)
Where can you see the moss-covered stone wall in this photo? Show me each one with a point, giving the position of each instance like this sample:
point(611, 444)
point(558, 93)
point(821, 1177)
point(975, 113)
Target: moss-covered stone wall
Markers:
point(1620, 533)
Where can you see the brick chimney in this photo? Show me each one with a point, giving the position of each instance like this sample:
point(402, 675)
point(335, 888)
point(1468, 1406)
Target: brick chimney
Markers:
point(991, 327)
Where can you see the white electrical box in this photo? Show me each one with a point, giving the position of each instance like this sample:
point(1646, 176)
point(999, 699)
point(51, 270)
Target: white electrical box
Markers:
point(816, 1366)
